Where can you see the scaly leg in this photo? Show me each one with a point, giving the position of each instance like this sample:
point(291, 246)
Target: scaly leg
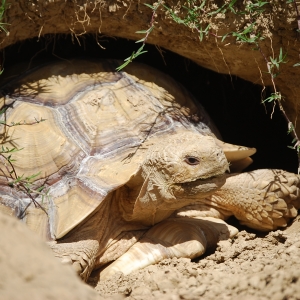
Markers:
point(262, 199)
point(81, 255)
point(174, 237)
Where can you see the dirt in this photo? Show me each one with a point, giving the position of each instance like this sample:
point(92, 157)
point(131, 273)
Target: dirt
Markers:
point(250, 266)
point(30, 271)
point(246, 267)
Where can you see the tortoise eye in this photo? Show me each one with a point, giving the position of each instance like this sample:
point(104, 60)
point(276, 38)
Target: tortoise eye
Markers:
point(192, 160)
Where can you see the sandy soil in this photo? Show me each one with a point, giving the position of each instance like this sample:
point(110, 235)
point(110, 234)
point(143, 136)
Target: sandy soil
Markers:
point(28, 269)
point(250, 266)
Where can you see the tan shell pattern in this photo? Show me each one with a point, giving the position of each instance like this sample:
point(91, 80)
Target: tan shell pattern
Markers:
point(96, 122)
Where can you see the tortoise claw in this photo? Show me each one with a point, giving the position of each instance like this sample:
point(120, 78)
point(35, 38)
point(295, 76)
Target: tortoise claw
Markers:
point(81, 255)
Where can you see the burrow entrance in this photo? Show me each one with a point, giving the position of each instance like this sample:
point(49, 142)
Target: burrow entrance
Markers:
point(234, 104)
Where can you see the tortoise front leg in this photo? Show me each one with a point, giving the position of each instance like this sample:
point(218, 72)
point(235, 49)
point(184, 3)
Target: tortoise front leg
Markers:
point(174, 237)
point(262, 199)
point(81, 255)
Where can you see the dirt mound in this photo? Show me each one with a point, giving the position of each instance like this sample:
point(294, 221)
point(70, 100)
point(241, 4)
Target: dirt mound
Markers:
point(247, 266)
point(30, 271)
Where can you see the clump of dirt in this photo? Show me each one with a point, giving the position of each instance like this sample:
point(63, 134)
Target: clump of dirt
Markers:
point(248, 266)
point(30, 271)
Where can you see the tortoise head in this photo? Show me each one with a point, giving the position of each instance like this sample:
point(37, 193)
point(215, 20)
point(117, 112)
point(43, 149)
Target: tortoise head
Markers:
point(176, 171)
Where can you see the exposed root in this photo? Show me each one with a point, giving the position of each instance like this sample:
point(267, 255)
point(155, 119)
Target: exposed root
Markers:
point(127, 9)
point(223, 59)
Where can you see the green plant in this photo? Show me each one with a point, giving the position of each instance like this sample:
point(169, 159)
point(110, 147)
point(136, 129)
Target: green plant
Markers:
point(245, 36)
point(141, 50)
point(21, 183)
point(2, 25)
point(250, 33)
point(256, 8)
point(274, 97)
point(195, 15)
point(223, 9)
point(191, 20)
point(2, 10)
point(274, 63)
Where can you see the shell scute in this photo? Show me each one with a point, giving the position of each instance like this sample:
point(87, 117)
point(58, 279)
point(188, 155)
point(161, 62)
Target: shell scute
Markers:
point(45, 147)
point(57, 84)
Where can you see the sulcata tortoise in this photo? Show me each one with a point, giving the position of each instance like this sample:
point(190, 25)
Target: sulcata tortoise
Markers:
point(133, 167)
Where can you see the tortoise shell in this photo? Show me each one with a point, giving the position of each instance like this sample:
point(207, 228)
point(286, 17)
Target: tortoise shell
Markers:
point(97, 123)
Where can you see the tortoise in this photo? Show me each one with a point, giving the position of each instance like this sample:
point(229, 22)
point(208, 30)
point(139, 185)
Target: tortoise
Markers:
point(135, 170)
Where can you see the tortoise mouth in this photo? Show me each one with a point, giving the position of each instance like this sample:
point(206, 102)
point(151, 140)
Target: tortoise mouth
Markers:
point(201, 187)
point(215, 178)
point(203, 179)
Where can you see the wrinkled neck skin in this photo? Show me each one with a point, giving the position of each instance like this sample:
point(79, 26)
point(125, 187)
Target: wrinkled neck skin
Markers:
point(164, 184)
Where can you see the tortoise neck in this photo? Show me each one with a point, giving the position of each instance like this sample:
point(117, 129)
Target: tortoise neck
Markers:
point(140, 208)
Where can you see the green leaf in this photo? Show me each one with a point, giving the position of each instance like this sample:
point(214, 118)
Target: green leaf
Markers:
point(269, 99)
point(139, 51)
point(216, 11)
point(29, 178)
point(224, 37)
point(261, 4)
point(232, 3)
point(134, 55)
point(280, 53)
point(202, 4)
point(122, 66)
point(141, 40)
point(40, 188)
point(201, 36)
point(142, 31)
point(148, 5)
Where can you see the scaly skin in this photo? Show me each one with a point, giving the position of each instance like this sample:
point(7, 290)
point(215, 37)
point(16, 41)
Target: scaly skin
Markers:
point(262, 199)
